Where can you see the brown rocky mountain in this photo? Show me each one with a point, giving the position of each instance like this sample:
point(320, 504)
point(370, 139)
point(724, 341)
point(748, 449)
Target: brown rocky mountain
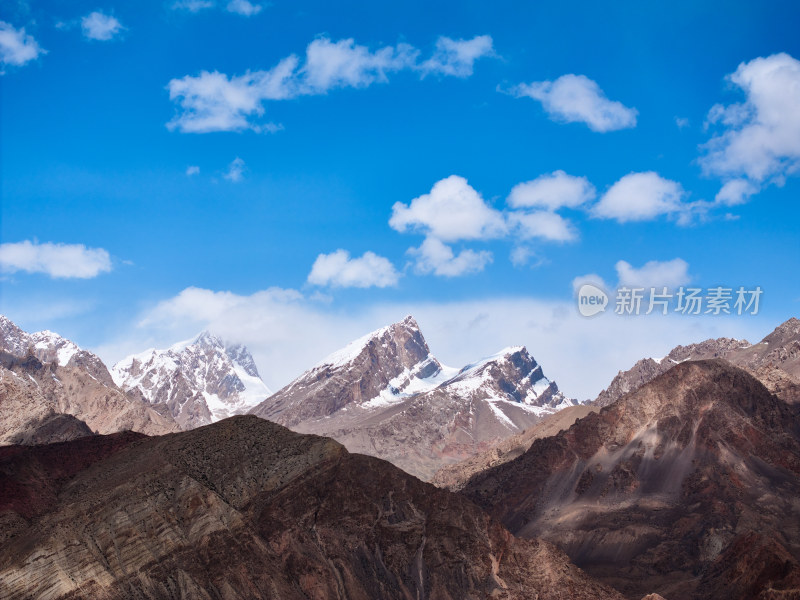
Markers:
point(687, 487)
point(42, 375)
point(775, 361)
point(246, 509)
point(386, 395)
point(454, 477)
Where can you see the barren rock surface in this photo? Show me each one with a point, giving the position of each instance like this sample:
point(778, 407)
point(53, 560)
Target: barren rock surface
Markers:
point(246, 509)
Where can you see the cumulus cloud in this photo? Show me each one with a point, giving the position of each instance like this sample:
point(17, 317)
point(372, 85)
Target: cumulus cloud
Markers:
point(453, 210)
point(99, 26)
point(578, 99)
point(436, 257)
point(736, 191)
point(656, 274)
point(59, 261)
point(235, 170)
point(642, 197)
point(213, 101)
point(544, 225)
point(758, 139)
point(243, 7)
point(337, 269)
point(552, 191)
point(17, 47)
point(457, 57)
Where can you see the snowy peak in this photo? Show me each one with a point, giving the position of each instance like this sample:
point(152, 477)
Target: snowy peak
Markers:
point(512, 375)
point(50, 348)
point(402, 338)
point(395, 358)
point(201, 380)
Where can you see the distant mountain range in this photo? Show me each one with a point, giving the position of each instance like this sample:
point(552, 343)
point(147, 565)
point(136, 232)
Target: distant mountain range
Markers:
point(386, 395)
point(680, 481)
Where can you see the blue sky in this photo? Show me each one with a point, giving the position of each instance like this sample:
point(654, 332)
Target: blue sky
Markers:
point(168, 167)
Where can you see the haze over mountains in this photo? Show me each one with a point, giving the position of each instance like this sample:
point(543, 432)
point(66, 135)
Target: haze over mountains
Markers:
point(681, 479)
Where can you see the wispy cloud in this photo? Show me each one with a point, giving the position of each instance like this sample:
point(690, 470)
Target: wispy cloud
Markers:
point(243, 8)
point(235, 171)
point(99, 26)
point(213, 101)
point(193, 6)
point(56, 260)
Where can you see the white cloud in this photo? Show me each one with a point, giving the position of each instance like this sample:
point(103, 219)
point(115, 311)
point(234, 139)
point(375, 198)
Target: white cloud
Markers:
point(56, 260)
point(552, 191)
point(544, 225)
point(590, 278)
point(213, 101)
point(99, 26)
point(522, 256)
point(192, 170)
point(288, 333)
point(452, 211)
point(243, 7)
point(16, 46)
point(235, 170)
point(641, 197)
point(576, 98)
point(760, 137)
point(736, 191)
point(681, 122)
point(457, 57)
point(193, 5)
point(337, 269)
point(434, 256)
point(671, 274)
point(346, 64)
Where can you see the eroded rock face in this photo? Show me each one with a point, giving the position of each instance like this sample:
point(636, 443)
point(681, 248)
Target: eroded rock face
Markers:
point(454, 477)
point(775, 361)
point(246, 509)
point(43, 375)
point(687, 487)
point(386, 395)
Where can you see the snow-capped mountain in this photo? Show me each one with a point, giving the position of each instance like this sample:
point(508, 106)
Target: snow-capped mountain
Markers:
point(45, 379)
point(385, 394)
point(201, 380)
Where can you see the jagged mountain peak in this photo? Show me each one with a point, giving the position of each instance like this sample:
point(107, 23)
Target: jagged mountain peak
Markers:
point(403, 338)
point(385, 394)
point(201, 380)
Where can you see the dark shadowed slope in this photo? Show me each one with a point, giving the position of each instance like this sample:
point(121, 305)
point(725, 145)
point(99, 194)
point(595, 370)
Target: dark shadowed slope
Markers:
point(689, 487)
point(246, 509)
